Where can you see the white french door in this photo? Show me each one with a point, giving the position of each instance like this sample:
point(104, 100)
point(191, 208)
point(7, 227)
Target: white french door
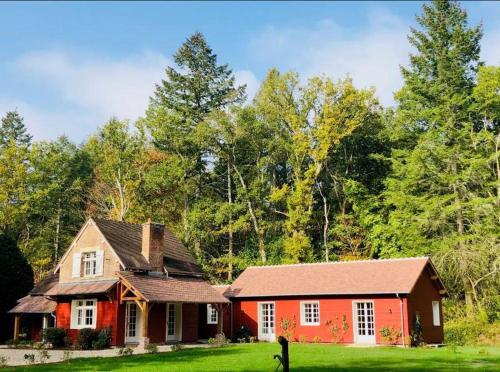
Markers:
point(132, 322)
point(174, 322)
point(364, 322)
point(266, 321)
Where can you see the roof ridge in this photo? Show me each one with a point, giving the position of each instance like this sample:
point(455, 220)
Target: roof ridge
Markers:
point(338, 262)
point(114, 221)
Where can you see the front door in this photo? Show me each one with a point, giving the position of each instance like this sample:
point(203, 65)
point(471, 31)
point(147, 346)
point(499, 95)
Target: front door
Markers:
point(132, 322)
point(174, 322)
point(364, 323)
point(266, 321)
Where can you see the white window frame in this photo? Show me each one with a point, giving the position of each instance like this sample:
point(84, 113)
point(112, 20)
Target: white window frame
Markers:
point(436, 314)
point(303, 318)
point(78, 313)
point(90, 259)
point(211, 310)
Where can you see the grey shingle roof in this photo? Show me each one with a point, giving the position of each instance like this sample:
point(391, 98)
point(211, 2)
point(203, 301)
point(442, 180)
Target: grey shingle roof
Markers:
point(160, 288)
point(126, 240)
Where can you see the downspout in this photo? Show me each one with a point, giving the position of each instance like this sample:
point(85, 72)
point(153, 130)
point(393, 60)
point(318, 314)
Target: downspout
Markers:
point(402, 319)
point(55, 319)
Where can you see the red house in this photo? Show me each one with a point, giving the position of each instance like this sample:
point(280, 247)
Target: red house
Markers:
point(143, 284)
point(347, 302)
point(140, 281)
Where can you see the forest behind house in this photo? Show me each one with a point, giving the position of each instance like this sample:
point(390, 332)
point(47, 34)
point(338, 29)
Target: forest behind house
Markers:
point(309, 170)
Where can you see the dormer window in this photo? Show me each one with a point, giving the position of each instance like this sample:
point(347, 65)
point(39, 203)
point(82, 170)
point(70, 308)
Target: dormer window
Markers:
point(89, 264)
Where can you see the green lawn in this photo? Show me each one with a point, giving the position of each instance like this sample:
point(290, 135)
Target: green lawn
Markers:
point(303, 357)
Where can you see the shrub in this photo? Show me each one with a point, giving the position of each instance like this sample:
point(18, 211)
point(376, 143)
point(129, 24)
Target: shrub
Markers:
point(252, 339)
point(152, 348)
point(338, 329)
point(56, 336)
point(243, 332)
point(3, 361)
point(302, 339)
point(179, 347)
point(219, 341)
point(30, 358)
point(287, 327)
point(317, 339)
point(126, 350)
point(86, 336)
point(103, 339)
point(390, 335)
point(471, 331)
point(67, 356)
point(417, 337)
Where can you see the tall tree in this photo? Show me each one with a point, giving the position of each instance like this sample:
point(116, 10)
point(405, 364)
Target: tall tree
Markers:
point(315, 118)
point(197, 87)
point(118, 158)
point(13, 130)
point(14, 169)
point(439, 193)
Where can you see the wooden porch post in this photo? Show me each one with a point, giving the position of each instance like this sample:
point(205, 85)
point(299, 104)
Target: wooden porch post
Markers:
point(220, 319)
point(145, 318)
point(17, 319)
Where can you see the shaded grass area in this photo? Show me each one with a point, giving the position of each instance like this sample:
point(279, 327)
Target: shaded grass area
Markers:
point(303, 357)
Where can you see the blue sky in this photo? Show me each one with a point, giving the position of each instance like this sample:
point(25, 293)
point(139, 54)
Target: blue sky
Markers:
point(67, 67)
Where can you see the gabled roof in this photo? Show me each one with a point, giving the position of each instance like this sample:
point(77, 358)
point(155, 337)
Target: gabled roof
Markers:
point(126, 240)
point(160, 288)
point(389, 276)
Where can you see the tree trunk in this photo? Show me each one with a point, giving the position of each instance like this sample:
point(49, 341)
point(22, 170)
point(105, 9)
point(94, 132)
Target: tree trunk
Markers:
point(255, 222)
point(325, 225)
point(58, 229)
point(230, 229)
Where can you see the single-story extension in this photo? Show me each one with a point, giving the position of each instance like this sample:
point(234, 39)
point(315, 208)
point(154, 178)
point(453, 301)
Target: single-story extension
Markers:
point(142, 283)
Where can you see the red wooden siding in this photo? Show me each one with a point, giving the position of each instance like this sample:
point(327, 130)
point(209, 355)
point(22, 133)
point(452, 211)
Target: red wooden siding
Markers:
point(157, 323)
point(189, 322)
point(420, 300)
point(109, 314)
point(387, 313)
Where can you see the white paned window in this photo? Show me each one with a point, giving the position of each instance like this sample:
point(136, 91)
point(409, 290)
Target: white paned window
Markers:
point(212, 315)
point(83, 314)
point(309, 313)
point(89, 263)
point(436, 316)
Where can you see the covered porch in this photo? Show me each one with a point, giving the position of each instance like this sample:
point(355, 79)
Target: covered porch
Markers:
point(161, 309)
point(32, 315)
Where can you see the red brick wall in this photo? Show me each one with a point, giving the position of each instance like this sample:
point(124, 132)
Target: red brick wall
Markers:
point(189, 322)
point(420, 300)
point(387, 313)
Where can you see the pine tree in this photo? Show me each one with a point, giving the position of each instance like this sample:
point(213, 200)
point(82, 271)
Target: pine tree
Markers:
point(440, 195)
point(13, 130)
point(181, 102)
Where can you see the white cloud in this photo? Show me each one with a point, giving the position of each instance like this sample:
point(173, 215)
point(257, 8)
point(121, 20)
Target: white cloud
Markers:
point(46, 124)
point(370, 56)
point(247, 77)
point(103, 87)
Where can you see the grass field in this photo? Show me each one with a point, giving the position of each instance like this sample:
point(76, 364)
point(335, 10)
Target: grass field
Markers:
point(303, 357)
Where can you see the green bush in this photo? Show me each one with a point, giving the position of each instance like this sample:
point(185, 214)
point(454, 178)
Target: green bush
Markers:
point(56, 336)
point(103, 340)
point(243, 333)
point(86, 336)
point(471, 331)
point(152, 348)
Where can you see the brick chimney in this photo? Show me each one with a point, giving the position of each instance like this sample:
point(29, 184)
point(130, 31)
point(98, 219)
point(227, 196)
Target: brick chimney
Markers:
point(153, 236)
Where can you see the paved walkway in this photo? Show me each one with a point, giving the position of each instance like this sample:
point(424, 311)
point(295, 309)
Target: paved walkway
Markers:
point(15, 357)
